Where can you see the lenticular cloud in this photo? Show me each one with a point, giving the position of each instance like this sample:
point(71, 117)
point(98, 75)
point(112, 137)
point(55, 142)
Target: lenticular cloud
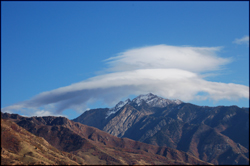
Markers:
point(169, 71)
point(194, 59)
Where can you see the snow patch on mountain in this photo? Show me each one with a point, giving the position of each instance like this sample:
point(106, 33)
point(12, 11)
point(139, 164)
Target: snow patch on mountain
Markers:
point(148, 97)
point(151, 99)
point(117, 107)
point(177, 101)
point(154, 101)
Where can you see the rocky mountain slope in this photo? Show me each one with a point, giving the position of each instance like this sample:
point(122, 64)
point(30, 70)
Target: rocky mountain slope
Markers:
point(20, 147)
point(61, 141)
point(219, 135)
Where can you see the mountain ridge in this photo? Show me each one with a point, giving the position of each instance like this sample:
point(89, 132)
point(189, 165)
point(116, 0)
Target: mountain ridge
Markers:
point(181, 133)
point(151, 99)
point(182, 126)
point(93, 146)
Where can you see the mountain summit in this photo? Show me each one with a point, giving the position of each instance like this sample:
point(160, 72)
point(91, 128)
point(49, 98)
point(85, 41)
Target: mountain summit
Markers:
point(151, 99)
point(154, 101)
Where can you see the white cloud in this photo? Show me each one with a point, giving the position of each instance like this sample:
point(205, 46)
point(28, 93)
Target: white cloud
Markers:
point(195, 59)
point(42, 113)
point(243, 40)
point(32, 111)
point(168, 71)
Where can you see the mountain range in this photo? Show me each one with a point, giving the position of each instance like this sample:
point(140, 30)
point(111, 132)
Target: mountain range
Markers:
point(147, 130)
point(218, 135)
point(58, 140)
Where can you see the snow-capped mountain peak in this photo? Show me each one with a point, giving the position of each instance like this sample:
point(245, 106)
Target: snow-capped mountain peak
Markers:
point(121, 104)
point(151, 99)
point(154, 101)
point(177, 101)
point(146, 97)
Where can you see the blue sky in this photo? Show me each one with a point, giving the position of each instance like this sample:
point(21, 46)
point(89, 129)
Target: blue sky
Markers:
point(51, 45)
